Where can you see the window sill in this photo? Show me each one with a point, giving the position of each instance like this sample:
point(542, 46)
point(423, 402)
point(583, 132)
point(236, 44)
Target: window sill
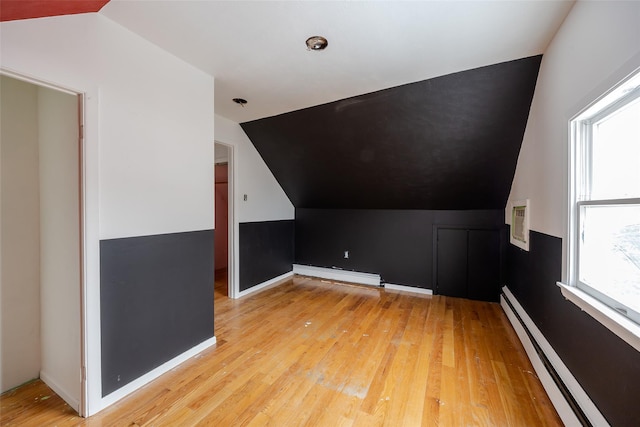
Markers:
point(624, 328)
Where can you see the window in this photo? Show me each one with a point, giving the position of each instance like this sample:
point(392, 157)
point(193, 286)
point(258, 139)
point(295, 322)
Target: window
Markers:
point(605, 200)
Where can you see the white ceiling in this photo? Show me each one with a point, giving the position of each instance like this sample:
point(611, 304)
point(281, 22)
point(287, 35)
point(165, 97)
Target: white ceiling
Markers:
point(256, 49)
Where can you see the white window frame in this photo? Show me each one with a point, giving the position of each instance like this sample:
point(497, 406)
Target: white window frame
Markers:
point(603, 308)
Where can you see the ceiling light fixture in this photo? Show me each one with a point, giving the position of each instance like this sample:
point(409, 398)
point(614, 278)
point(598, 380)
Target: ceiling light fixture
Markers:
point(316, 43)
point(240, 101)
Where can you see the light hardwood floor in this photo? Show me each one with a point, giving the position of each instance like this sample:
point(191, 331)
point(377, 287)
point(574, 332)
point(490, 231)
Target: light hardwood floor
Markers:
point(309, 352)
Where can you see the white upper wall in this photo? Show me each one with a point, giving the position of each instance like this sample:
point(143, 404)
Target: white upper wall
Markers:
point(266, 200)
point(149, 137)
point(20, 229)
point(597, 45)
point(154, 129)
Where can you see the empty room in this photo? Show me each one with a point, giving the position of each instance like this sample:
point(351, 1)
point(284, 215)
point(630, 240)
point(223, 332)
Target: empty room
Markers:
point(319, 213)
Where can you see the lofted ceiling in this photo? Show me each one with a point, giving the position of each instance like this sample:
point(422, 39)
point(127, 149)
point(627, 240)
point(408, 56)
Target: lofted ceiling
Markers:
point(256, 49)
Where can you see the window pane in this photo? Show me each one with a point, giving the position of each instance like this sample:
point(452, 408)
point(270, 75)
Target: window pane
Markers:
point(609, 252)
point(616, 155)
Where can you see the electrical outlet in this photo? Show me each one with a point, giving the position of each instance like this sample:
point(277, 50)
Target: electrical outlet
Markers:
point(346, 254)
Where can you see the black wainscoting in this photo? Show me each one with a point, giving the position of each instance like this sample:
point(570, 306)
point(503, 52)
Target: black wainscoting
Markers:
point(266, 251)
point(397, 244)
point(607, 367)
point(156, 301)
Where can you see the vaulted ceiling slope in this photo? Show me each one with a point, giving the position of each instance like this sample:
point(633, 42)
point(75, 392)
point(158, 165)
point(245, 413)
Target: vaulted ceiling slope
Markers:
point(450, 142)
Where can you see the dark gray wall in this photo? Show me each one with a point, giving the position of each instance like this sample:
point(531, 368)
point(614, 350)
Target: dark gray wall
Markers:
point(156, 301)
point(397, 244)
point(467, 262)
point(607, 367)
point(447, 143)
point(266, 251)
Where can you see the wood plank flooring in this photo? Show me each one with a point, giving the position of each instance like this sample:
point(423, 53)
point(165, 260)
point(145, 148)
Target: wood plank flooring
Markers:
point(309, 352)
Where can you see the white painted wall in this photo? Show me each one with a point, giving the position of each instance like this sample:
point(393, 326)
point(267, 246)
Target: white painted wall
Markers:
point(20, 219)
point(155, 118)
point(266, 200)
point(248, 174)
point(59, 243)
point(597, 45)
point(149, 137)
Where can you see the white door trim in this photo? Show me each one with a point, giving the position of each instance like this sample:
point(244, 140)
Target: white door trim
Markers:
point(232, 230)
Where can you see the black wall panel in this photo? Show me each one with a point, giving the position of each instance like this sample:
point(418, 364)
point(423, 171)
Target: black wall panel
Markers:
point(484, 264)
point(451, 275)
point(450, 142)
point(156, 301)
point(468, 262)
point(397, 244)
point(266, 251)
point(607, 367)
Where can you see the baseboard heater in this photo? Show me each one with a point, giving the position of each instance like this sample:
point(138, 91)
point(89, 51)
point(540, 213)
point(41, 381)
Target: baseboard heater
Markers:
point(572, 403)
point(564, 390)
point(337, 274)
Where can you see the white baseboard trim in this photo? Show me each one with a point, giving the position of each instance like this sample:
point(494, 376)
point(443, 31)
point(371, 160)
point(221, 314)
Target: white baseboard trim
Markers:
point(576, 390)
point(261, 286)
point(152, 375)
point(404, 288)
point(60, 391)
point(336, 274)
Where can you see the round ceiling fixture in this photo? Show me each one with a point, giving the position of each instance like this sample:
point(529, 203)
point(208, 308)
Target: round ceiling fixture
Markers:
point(316, 43)
point(240, 101)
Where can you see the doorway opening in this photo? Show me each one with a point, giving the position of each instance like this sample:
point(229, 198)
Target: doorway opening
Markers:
point(224, 224)
point(41, 235)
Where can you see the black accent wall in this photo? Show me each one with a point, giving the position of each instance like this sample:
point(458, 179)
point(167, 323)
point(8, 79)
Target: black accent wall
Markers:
point(156, 301)
point(266, 251)
point(397, 244)
point(446, 143)
point(467, 262)
point(607, 367)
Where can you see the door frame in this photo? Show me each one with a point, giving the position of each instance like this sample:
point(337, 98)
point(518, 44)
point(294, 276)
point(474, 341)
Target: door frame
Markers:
point(232, 267)
point(83, 254)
